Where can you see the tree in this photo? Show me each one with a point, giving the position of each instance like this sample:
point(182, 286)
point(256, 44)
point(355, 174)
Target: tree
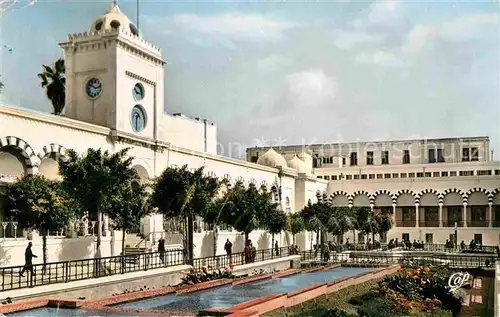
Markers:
point(297, 225)
point(53, 81)
point(39, 204)
point(180, 193)
point(317, 218)
point(273, 218)
point(128, 207)
point(245, 208)
point(95, 180)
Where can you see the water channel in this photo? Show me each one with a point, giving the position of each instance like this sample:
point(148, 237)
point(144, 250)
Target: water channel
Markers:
point(221, 297)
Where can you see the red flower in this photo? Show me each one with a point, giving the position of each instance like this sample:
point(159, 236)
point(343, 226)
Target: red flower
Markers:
point(414, 277)
point(434, 275)
point(400, 270)
point(422, 283)
point(415, 271)
point(203, 268)
point(426, 269)
point(231, 266)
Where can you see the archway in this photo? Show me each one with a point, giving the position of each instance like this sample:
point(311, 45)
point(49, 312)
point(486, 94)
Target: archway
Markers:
point(405, 210)
point(49, 167)
point(429, 209)
point(340, 200)
point(143, 174)
point(453, 208)
point(496, 208)
point(12, 163)
point(477, 208)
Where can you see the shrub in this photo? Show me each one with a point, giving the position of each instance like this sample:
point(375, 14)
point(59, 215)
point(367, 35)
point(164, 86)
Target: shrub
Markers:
point(206, 274)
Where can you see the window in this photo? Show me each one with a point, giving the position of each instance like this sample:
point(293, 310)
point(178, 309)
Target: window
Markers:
point(420, 174)
point(379, 176)
point(371, 176)
point(348, 177)
point(334, 177)
point(327, 177)
point(483, 172)
point(405, 237)
point(354, 158)
point(411, 175)
point(406, 157)
point(327, 160)
point(432, 156)
point(385, 157)
point(320, 177)
point(444, 174)
point(466, 173)
point(387, 175)
point(435, 174)
point(427, 174)
point(440, 156)
point(363, 176)
point(478, 237)
point(395, 175)
point(403, 175)
point(343, 161)
point(254, 159)
point(497, 172)
point(429, 238)
point(356, 176)
point(453, 173)
point(474, 154)
point(369, 158)
point(465, 154)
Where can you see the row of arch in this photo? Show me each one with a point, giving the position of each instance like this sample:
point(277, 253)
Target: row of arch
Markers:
point(426, 197)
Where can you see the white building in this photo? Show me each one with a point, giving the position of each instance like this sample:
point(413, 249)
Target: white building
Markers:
point(430, 184)
point(115, 99)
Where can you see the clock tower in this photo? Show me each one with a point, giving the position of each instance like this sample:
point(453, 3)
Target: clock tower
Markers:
point(114, 78)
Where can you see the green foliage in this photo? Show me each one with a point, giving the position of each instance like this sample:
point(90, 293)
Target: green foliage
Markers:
point(53, 81)
point(38, 203)
point(128, 207)
point(297, 224)
point(178, 192)
point(274, 219)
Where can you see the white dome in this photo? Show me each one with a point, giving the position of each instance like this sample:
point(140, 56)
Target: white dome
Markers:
point(299, 165)
point(308, 161)
point(114, 19)
point(272, 159)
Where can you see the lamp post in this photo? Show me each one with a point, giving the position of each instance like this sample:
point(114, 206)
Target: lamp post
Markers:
point(456, 235)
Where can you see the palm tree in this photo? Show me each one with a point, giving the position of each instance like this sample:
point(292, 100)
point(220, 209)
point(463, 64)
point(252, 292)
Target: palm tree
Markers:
point(54, 83)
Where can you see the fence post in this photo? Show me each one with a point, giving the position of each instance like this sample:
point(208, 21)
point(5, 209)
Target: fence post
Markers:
point(66, 271)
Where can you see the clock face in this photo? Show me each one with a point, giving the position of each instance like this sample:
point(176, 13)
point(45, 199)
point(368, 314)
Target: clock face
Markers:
point(93, 88)
point(138, 92)
point(138, 118)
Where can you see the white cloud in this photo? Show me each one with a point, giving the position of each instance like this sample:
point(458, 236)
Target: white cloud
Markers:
point(310, 89)
point(418, 37)
point(466, 27)
point(351, 39)
point(381, 13)
point(379, 58)
point(234, 26)
point(272, 63)
point(458, 30)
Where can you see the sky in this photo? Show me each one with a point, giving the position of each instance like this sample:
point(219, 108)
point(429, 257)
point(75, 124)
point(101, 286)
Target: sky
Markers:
point(294, 72)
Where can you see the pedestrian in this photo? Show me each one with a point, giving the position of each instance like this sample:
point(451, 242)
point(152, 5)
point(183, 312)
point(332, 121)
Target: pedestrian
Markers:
point(28, 263)
point(161, 249)
point(247, 252)
point(228, 247)
point(276, 248)
point(253, 251)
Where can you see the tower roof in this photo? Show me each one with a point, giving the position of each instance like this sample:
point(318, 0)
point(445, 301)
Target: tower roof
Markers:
point(113, 19)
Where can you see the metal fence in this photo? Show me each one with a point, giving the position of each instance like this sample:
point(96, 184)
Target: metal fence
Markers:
point(373, 258)
point(68, 271)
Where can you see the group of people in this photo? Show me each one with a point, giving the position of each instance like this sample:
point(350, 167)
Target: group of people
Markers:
point(249, 252)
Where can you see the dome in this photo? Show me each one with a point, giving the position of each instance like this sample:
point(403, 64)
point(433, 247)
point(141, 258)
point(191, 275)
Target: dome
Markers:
point(272, 159)
point(305, 156)
point(114, 19)
point(299, 165)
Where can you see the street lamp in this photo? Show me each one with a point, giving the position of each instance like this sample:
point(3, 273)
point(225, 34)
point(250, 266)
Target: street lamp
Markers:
point(456, 235)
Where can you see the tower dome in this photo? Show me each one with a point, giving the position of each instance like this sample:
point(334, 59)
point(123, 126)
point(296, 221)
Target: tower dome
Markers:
point(299, 165)
point(272, 159)
point(114, 19)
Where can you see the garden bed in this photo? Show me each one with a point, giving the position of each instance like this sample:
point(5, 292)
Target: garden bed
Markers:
point(377, 298)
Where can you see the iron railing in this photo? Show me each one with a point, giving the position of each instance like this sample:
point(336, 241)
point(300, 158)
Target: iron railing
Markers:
point(68, 271)
point(365, 258)
point(221, 261)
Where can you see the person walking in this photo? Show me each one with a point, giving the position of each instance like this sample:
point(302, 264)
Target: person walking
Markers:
point(228, 247)
point(28, 260)
point(161, 249)
point(276, 248)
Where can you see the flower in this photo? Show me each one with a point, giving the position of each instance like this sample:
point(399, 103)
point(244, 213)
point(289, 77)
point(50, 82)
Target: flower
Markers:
point(434, 275)
point(422, 282)
point(400, 269)
point(414, 277)
point(203, 268)
point(415, 271)
point(426, 269)
point(231, 266)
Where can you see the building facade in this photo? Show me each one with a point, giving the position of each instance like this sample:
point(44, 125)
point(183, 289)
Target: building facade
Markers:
point(434, 187)
point(115, 100)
